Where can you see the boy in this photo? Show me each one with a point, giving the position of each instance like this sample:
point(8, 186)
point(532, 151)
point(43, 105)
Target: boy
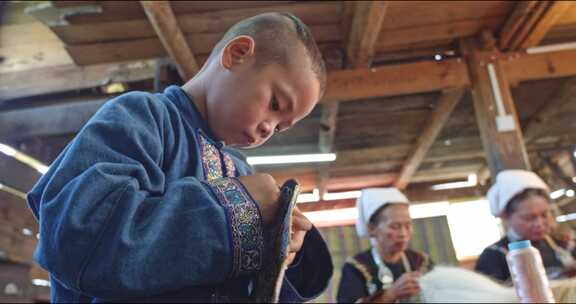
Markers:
point(147, 203)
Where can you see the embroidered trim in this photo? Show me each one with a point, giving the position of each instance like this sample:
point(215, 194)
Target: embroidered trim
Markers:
point(370, 285)
point(229, 165)
point(210, 159)
point(247, 239)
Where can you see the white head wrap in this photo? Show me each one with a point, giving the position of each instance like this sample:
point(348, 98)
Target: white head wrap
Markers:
point(510, 183)
point(371, 200)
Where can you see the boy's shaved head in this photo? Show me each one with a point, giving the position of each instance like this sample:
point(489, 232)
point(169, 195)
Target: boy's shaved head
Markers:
point(276, 35)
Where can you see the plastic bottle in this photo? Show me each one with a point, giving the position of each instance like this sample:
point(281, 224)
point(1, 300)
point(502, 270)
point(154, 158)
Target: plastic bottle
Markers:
point(528, 274)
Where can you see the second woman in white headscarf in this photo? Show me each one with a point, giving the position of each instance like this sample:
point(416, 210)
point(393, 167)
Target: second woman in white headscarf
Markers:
point(521, 200)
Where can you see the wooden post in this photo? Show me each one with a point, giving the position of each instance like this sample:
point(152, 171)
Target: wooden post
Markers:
point(495, 111)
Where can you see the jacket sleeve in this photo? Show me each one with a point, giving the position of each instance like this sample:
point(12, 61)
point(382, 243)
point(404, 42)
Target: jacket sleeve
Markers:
point(111, 225)
point(311, 271)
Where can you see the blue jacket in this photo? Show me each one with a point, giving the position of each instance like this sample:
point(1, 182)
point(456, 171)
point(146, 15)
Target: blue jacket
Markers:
point(144, 205)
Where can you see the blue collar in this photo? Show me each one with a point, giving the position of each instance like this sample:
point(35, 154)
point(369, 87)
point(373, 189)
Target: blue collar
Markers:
point(189, 111)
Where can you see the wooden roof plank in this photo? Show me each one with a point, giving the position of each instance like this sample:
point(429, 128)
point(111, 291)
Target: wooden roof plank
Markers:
point(556, 10)
point(145, 48)
point(515, 21)
point(162, 18)
point(529, 22)
point(212, 22)
point(366, 26)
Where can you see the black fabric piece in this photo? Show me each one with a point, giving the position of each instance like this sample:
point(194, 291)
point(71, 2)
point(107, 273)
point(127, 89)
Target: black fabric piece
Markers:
point(492, 261)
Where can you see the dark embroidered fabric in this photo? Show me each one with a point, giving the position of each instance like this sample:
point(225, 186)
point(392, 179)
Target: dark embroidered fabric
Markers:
point(247, 238)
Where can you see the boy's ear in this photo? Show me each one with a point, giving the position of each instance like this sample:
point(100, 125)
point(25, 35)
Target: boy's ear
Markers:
point(237, 51)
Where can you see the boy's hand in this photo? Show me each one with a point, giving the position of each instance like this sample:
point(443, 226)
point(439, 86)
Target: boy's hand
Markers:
point(300, 225)
point(265, 192)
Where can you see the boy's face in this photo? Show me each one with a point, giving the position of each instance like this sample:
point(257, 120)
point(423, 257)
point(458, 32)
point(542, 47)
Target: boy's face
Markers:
point(246, 103)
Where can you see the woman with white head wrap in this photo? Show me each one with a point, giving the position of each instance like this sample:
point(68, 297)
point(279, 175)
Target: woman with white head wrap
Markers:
point(521, 199)
point(389, 271)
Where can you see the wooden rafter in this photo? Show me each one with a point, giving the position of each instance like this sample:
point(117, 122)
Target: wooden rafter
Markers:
point(529, 23)
point(515, 21)
point(366, 24)
point(165, 24)
point(546, 22)
point(446, 105)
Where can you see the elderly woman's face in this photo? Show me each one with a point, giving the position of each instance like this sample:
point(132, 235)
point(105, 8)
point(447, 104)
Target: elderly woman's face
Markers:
point(531, 218)
point(393, 228)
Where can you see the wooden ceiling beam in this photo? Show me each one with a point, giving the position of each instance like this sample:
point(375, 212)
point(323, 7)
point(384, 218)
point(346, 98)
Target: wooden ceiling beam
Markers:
point(554, 11)
point(524, 24)
point(165, 24)
point(524, 67)
point(64, 78)
point(194, 23)
point(343, 85)
point(515, 21)
point(399, 79)
point(529, 22)
point(446, 105)
point(53, 120)
point(365, 28)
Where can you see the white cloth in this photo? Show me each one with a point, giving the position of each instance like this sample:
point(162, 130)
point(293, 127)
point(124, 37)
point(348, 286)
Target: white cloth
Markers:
point(510, 183)
point(371, 200)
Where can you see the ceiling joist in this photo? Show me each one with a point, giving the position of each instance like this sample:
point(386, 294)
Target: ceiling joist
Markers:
point(165, 24)
point(529, 22)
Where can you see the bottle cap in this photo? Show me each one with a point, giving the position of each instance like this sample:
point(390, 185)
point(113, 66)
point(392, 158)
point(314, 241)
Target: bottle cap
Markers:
point(519, 245)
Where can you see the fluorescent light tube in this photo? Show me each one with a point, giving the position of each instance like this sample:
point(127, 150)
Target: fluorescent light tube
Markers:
point(291, 159)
